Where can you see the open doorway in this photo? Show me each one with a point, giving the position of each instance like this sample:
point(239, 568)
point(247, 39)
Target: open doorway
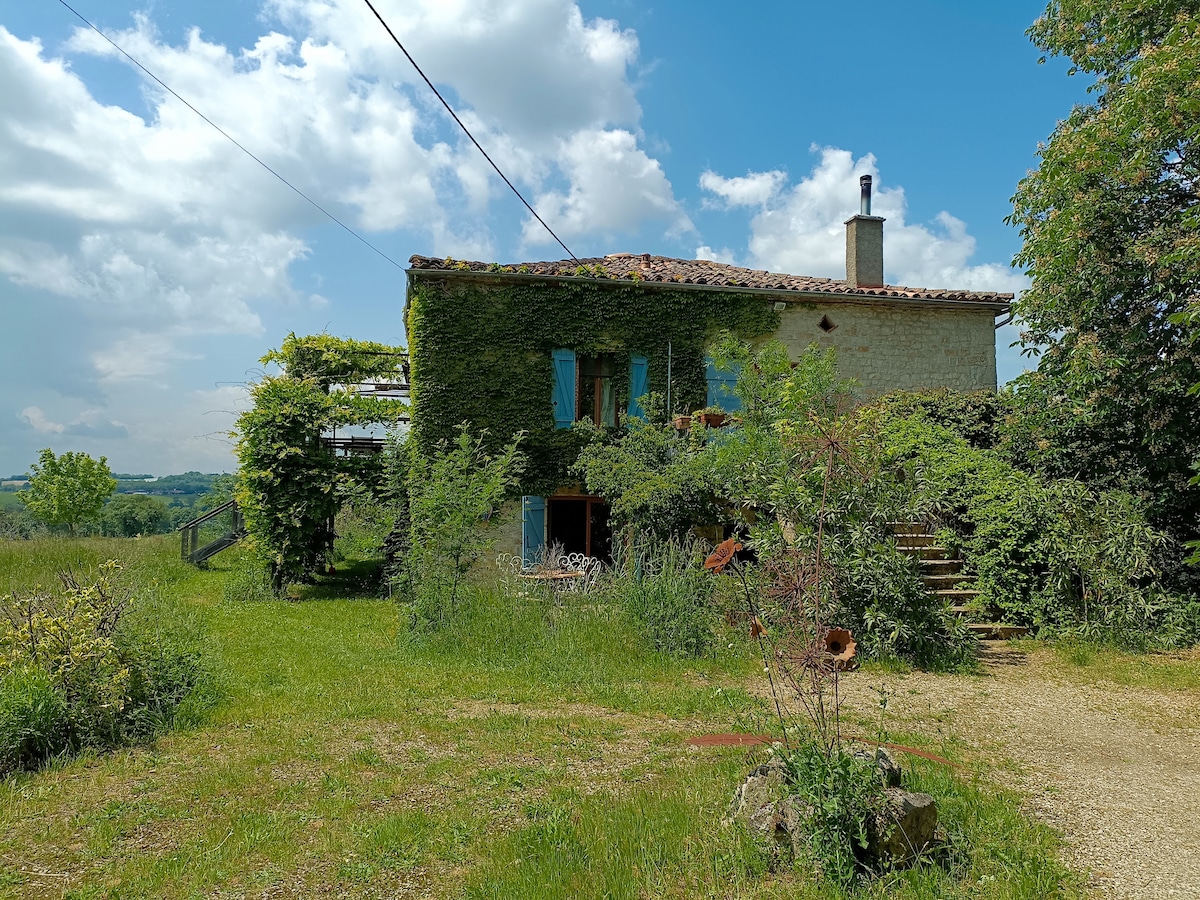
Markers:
point(580, 525)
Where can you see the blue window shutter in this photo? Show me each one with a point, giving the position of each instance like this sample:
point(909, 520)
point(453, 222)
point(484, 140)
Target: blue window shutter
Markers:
point(639, 378)
point(721, 384)
point(564, 388)
point(533, 528)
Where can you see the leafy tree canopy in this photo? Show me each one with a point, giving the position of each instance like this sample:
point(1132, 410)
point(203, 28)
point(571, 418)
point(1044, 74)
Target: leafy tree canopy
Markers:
point(290, 484)
point(333, 360)
point(69, 489)
point(130, 515)
point(1111, 228)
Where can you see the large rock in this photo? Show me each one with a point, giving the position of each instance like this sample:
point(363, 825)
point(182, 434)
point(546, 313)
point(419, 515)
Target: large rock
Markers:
point(765, 804)
point(889, 769)
point(762, 787)
point(903, 828)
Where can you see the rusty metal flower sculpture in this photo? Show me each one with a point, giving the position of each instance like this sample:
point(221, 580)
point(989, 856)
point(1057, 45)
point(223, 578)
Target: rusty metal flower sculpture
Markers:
point(841, 648)
point(721, 556)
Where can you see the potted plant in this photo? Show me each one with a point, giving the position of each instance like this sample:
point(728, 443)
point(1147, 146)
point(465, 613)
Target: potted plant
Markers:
point(711, 417)
point(682, 423)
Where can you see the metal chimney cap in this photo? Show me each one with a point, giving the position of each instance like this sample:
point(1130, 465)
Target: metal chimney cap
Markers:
point(865, 204)
point(866, 181)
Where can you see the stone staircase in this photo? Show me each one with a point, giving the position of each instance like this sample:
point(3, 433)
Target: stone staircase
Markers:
point(942, 577)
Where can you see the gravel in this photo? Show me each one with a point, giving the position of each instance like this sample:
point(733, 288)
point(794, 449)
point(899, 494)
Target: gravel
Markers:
point(1115, 769)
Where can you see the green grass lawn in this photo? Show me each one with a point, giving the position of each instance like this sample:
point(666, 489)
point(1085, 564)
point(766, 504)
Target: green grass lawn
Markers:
point(522, 754)
point(8, 500)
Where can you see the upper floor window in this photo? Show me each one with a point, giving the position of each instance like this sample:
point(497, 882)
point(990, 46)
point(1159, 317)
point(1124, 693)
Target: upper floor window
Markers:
point(596, 400)
point(585, 387)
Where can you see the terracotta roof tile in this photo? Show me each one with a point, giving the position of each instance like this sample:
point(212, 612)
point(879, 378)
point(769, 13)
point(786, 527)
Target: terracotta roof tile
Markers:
point(663, 269)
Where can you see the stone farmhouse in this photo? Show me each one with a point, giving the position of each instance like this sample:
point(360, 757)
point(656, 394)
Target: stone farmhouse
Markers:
point(535, 347)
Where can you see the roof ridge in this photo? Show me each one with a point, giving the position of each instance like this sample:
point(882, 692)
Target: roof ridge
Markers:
point(651, 269)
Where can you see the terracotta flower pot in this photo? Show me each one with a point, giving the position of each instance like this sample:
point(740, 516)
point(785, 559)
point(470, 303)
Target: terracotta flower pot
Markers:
point(683, 423)
point(713, 420)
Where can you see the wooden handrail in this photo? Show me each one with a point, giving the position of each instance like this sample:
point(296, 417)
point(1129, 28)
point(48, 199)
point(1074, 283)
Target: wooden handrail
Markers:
point(211, 514)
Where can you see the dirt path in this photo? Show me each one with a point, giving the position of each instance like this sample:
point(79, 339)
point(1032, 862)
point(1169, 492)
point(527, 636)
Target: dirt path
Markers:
point(1115, 769)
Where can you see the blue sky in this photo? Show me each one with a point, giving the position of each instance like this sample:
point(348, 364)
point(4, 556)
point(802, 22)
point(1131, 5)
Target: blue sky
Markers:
point(146, 265)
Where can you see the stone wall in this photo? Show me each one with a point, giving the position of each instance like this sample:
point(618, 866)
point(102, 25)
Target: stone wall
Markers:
point(901, 346)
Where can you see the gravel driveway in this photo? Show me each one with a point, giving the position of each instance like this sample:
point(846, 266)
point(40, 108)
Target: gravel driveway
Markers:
point(1116, 769)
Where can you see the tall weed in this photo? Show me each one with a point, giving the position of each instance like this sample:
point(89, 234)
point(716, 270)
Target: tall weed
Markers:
point(666, 594)
point(249, 580)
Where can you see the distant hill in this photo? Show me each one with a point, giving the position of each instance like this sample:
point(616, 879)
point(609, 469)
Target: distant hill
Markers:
point(189, 483)
point(186, 487)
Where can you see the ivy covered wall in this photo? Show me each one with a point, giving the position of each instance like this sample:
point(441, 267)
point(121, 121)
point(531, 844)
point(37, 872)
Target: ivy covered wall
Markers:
point(480, 351)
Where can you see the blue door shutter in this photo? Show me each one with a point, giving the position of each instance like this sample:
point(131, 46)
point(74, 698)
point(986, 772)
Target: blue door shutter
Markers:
point(533, 529)
point(721, 384)
point(639, 378)
point(564, 388)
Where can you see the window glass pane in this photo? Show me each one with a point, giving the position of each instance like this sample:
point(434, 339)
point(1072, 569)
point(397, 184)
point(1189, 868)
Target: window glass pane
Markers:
point(597, 396)
point(587, 394)
point(608, 402)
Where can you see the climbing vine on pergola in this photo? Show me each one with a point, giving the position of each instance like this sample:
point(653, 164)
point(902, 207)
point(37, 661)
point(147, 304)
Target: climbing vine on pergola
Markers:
point(291, 481)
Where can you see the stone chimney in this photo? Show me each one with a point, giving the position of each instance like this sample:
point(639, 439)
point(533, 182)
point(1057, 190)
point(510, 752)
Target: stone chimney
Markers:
point(864, 243)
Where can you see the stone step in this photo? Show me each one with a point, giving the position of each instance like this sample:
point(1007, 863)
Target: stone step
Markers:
point(996, 631)
point(931, 553)
point(915, 540)
point(964, 610)
point(937, 582)
point(954, 594)
point(909, 527)
point(941, 566)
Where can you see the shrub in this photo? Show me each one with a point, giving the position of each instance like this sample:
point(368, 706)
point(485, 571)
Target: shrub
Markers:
point(77, 671)
point(130, 515)
point(652, 481)
point(805, 465)
point(453, 497)
point(1051, 554)
point(880, 598)
point(172, 680)
point(975, 416)
point(842, 792)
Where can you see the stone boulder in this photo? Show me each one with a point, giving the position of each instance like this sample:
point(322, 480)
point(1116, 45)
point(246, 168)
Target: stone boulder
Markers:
point(889, 770)
point(903, 828)
point(764, 805)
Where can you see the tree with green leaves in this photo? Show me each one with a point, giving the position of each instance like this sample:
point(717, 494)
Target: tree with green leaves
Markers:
point(131, 515)
point(453, 497)
point(1111, 228)
point(290, 484)
point(69, 489)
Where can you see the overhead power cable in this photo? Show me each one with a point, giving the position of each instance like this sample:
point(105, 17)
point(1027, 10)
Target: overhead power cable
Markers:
point(232, 140)
point(467, 131)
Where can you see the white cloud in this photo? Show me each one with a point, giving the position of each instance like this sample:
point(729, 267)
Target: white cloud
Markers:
point(800, 228)
point(615, 186)
point(753, 189)
point(162, 218)
point(91, 423)
point(722, 256)
point(146, 231)
point(36, 419)
point(536, 68)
